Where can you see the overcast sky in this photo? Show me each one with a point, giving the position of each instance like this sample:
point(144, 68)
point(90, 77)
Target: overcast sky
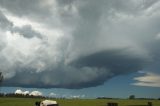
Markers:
point(75, 44)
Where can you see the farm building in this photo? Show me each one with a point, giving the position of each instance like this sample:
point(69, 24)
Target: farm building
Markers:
point(47, 103)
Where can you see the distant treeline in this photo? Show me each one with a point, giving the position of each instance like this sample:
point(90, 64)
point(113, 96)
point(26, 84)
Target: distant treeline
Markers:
point(106, 98)
point(27, 96)
point(43, 97)
point(147, 98)
point(129, 98)
point(20, 95)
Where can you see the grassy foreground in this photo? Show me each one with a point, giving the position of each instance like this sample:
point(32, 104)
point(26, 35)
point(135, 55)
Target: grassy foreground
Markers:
point(75, 102)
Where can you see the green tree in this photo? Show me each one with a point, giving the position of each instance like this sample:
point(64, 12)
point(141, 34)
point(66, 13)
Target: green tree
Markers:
point(132, 97)
point(1, 77)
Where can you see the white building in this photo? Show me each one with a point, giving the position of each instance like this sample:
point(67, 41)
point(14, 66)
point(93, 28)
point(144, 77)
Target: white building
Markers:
point(47, 103)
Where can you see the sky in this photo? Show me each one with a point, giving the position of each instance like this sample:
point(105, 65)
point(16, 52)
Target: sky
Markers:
point(80, 48)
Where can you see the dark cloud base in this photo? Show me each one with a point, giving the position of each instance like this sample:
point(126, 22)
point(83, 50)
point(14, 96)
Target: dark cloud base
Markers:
point(113, 63)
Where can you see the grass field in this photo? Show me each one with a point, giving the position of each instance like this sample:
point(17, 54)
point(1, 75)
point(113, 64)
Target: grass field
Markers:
point(75, 102)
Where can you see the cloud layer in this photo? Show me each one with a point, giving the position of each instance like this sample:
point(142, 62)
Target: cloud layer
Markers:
point(149, 79)
point(33, 93)
point(76, 44)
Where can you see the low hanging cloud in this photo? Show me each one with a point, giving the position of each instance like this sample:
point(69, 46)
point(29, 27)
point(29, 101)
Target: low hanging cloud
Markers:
point(33, 93)
point(149, 79)
point(36, 93)
point(76, 44)
point(69, 96)
point(52, 94)
point(18, 91)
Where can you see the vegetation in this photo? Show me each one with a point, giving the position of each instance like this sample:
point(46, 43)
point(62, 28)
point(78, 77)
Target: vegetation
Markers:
point(1, 77)
point(132, 97)
point(19, 95)
point(6, 101)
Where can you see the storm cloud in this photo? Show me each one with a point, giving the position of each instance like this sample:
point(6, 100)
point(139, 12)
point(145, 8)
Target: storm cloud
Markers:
point(75, 43)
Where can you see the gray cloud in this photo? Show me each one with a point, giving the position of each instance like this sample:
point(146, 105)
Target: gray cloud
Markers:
point(87, 71)
point(26, 7)
point(88, 42)
point(26, 31)
point(4, 23)
point(118, 61)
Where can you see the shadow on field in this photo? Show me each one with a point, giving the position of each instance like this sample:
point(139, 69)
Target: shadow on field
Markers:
point(137, 105)
point(116, 104)
point(148, 104)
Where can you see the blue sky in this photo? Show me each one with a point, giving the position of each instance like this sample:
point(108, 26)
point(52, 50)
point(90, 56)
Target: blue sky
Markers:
point(80, 48)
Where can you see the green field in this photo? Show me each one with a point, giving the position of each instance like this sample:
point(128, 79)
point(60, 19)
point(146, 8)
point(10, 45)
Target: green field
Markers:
point(75, 102)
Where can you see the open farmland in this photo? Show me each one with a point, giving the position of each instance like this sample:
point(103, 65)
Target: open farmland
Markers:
point(75, 102)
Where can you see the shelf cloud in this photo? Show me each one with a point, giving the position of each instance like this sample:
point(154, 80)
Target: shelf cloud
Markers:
point(76, 44)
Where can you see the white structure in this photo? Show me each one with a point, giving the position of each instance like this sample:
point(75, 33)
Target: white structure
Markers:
point(47, 103)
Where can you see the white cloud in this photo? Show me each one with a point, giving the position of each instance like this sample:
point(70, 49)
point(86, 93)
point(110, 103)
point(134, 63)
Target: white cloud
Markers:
point(33, 93)
point(77, 96)
point(52, 94)
point(149, 79)
point(26, 92)
point(69, 95)
point(18, 91)
point(36, 93)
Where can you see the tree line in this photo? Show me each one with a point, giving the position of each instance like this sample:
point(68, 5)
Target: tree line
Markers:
point(19, 95)
point(131, 97)
point(1, 77)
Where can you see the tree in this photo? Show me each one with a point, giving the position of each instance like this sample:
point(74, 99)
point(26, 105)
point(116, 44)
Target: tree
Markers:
point(132, 97)
point(1, 77)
